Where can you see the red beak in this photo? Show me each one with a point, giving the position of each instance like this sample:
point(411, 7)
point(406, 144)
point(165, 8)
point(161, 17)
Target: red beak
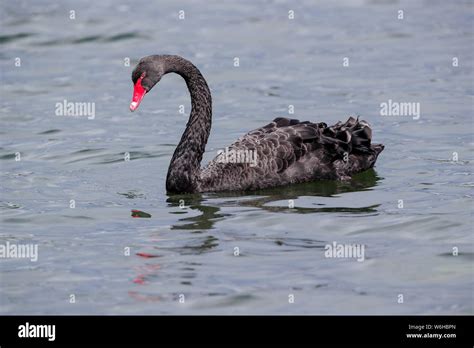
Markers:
point(138, 94)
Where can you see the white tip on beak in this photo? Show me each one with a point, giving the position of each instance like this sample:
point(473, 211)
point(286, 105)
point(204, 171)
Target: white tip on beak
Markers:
point(133, 106)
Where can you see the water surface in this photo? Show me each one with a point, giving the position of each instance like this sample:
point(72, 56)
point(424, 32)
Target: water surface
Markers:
point(187, 247)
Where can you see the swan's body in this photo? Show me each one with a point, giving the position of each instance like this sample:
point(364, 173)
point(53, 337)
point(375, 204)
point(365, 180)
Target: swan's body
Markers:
point(286, 151)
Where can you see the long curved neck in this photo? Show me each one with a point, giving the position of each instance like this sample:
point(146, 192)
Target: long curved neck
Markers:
point(184, 169)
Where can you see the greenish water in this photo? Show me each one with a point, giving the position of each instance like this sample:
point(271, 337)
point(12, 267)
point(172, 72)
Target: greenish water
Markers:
point(188, 247)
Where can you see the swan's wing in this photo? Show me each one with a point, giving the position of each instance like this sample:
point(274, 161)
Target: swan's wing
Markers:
point(288, 140)
point(280, 143)
point(287, 149)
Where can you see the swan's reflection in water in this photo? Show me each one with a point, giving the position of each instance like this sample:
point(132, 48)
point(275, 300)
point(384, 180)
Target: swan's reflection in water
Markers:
point(209, 207)
point(211, 213)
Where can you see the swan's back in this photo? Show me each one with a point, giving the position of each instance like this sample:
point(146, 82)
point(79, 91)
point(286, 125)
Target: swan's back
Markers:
point(288, 151)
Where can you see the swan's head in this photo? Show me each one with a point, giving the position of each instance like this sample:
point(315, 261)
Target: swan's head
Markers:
point(146, 74)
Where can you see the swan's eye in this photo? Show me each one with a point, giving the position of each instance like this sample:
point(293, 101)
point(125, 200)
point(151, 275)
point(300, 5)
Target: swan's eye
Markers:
point(143, 75)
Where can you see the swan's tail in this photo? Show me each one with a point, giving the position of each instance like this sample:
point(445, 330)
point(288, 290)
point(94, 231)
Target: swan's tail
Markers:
point(354, 137)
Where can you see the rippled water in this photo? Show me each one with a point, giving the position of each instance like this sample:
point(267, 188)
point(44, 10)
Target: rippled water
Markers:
point(190, 250)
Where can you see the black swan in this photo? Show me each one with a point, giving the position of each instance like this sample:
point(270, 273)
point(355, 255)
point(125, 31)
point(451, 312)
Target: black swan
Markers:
point(285, 151)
